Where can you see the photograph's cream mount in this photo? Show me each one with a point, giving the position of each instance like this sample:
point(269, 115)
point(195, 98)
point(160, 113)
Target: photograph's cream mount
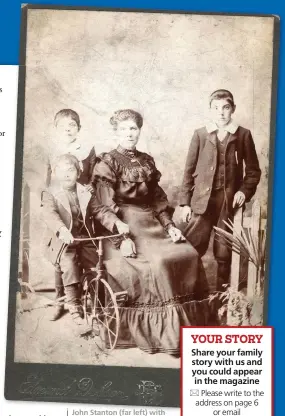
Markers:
point(142, 196)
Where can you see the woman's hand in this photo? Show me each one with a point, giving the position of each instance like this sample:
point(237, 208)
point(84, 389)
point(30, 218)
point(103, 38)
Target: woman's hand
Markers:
point(122, 227)
point(175, 234)
point(128, 248)
point(65, 235)
point(186, 213)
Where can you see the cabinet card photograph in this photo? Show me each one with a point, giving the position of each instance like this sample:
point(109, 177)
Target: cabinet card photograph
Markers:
point(142, 196)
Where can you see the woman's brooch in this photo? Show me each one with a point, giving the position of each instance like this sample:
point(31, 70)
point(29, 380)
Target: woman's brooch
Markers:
point(135, 172)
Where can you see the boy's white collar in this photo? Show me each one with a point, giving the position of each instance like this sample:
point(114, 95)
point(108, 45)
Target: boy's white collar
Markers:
point(75, 144)
point(231, 127)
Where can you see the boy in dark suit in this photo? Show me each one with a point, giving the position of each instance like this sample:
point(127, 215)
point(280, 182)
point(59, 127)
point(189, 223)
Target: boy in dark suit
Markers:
point(67, 210)
point(214, 181)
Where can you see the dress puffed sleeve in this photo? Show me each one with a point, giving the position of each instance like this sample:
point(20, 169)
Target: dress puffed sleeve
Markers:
point(159, 200)
point(104, 181)
point(91, 163)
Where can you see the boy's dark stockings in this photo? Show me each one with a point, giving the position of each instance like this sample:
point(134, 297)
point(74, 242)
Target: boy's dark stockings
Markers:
point(74, 302)
point(59, 293)
point(223, 275)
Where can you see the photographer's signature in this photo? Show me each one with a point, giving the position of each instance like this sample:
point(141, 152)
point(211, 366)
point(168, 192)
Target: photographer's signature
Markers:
point(84, 387)
point(49, 386)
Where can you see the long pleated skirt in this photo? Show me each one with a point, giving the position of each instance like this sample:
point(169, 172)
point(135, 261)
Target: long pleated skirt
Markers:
point(161, 284)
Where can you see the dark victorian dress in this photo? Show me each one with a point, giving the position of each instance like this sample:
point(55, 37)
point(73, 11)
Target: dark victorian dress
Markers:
point(161, 280)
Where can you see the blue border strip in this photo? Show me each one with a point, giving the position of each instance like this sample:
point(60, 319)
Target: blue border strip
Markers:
point(10, 12)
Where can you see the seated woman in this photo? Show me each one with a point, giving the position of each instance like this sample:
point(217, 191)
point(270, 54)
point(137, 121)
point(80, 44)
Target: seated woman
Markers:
point(160, 271)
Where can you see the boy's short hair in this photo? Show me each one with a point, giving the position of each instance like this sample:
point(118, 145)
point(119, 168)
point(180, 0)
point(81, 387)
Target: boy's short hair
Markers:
point(67, 112)
point(68, 158)
point(222, 94)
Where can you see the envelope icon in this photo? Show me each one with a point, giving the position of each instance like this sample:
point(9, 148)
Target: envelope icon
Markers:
point(194, 392)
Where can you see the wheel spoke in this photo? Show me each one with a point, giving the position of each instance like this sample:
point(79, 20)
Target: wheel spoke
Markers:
point(110, 337)
point(109, 303)
point(106, 326)
point(104, 313)
point(100, 303)
point(110, 316)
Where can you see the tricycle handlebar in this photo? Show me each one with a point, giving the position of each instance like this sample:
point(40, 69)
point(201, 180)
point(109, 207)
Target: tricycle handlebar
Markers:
point(98, 238)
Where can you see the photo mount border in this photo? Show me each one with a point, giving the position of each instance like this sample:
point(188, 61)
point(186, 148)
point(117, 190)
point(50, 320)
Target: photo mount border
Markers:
point(110, 385)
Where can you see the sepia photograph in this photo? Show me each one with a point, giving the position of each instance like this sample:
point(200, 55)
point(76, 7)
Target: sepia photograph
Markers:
point(147, 141)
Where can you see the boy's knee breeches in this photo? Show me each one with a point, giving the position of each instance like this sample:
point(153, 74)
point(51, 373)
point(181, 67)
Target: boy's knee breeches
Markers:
point(70, 269)
point(198, 231)
point(69, 262)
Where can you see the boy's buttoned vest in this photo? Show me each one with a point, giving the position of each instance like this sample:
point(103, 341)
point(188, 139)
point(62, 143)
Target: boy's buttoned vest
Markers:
point(201, 168)
point(219, 177)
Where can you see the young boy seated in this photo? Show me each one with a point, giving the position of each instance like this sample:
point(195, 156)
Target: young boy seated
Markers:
point(215, 181)
point(67, 208)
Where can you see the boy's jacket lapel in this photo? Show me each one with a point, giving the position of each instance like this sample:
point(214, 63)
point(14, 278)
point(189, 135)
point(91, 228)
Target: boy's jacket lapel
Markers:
point(63, 200)
point(83, 198)
point(53, 244)
point(212, 138)
point(232, 137)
